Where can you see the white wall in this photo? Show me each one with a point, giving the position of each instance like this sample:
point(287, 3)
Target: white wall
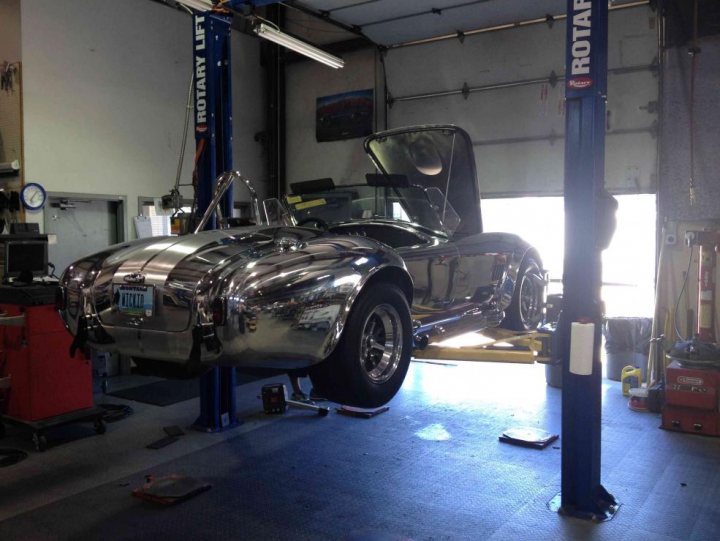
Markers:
point(9, 30)
point(105, 87)
point(343, 161)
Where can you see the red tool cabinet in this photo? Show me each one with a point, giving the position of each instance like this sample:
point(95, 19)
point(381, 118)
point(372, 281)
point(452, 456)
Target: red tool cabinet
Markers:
point(691, 399)
point(44, 380)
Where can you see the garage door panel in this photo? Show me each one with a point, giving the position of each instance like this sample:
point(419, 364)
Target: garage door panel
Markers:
point(537, 167)
point(633, 38)
point(531, 110)
point(504, 56)
point(480, 60)
point(629, 96)
point(630, 163)
point(519, 130)
point(531, 168)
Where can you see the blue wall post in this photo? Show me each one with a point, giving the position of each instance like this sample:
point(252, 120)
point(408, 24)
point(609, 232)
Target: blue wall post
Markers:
point(582, 494)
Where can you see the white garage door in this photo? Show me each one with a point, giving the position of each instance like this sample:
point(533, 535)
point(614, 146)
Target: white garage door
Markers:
point(515, 115)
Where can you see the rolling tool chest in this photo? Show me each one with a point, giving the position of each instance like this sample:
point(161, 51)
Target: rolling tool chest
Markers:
point(691, 399)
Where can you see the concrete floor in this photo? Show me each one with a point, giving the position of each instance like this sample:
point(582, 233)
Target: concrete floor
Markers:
point(430, 468)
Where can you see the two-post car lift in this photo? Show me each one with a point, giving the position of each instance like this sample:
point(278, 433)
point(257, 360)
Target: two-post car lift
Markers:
point(586, 89)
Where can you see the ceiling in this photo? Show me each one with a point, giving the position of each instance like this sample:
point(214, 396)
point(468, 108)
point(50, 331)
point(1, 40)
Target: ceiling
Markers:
point(391, 22)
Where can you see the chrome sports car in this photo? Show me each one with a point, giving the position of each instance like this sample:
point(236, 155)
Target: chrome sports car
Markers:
point(340, 281)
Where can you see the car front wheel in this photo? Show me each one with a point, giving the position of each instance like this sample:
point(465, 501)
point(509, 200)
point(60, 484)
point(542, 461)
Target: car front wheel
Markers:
point(369, 363)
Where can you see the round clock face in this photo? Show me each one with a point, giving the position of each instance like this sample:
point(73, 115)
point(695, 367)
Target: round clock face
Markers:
point(33, 196)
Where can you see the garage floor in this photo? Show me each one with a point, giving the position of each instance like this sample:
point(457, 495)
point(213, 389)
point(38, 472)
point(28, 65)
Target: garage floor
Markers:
point(430, 468)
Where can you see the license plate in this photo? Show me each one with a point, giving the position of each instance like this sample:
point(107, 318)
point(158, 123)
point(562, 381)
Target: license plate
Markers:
point(137, 301)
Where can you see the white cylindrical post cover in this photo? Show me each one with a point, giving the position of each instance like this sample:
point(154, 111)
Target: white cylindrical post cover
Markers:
point(582, 337)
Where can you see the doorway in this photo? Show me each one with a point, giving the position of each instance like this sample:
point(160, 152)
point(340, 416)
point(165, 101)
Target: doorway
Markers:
point(82, 224)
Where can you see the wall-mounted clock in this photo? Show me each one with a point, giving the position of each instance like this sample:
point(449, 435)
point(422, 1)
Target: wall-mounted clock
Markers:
point(33, 196)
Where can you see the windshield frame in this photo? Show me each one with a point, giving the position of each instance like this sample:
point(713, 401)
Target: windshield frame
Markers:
point(384, 196)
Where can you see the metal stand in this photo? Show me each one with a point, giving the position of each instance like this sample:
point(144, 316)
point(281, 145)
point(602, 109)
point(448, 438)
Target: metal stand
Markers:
point(586, 74)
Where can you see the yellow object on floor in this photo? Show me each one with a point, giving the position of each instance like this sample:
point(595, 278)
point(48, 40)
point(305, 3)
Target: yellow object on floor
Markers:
point(631, 378)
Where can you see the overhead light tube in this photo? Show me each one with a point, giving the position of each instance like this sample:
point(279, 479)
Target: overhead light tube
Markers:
point(199, 5)
point(281, 38)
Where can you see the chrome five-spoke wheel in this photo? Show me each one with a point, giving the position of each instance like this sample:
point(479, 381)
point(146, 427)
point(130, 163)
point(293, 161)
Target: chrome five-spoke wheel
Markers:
point(369, 364)
point(381, 343)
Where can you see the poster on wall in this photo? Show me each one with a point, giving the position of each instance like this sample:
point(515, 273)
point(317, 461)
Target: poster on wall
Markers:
point(344, 116)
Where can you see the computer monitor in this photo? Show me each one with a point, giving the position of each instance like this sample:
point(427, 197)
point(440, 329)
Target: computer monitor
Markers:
point(23, 256)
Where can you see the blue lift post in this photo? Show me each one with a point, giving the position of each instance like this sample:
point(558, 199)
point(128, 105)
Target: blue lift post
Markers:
point(582, 494)
point(213, 149)
point(213, 140)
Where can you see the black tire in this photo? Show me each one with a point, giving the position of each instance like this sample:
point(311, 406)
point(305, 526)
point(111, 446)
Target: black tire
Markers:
point(525, 312)
point(354, 373)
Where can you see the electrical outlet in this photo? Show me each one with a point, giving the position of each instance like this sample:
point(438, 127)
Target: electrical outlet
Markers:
point(670, 232)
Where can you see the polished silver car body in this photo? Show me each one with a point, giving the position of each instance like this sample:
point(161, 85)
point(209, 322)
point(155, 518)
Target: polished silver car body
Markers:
point(279, 296)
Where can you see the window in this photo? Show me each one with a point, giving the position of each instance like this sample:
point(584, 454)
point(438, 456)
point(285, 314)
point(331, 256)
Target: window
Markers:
point(628, 264)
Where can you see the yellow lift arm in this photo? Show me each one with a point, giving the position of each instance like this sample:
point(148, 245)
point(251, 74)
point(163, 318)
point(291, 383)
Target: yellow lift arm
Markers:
point(495, 345)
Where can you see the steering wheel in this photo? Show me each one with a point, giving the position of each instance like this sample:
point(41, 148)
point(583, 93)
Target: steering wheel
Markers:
point(319, 222)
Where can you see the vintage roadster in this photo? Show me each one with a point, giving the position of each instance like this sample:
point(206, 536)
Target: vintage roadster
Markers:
point(341, 281)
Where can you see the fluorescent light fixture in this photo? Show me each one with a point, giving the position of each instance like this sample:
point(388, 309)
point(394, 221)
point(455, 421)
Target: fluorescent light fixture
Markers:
point(199, 5)
point(281, 38)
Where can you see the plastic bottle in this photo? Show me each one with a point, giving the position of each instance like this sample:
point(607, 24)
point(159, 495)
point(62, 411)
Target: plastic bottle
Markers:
point(630, 378)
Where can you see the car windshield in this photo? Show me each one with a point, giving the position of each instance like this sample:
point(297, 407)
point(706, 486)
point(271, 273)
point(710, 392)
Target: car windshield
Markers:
point(408, 204)
point(439, 157)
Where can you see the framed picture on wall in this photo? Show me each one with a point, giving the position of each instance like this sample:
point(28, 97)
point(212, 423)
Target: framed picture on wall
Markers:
point(344, 116)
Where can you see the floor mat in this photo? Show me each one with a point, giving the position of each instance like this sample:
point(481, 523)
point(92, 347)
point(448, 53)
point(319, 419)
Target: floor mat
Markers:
point(169, 391)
